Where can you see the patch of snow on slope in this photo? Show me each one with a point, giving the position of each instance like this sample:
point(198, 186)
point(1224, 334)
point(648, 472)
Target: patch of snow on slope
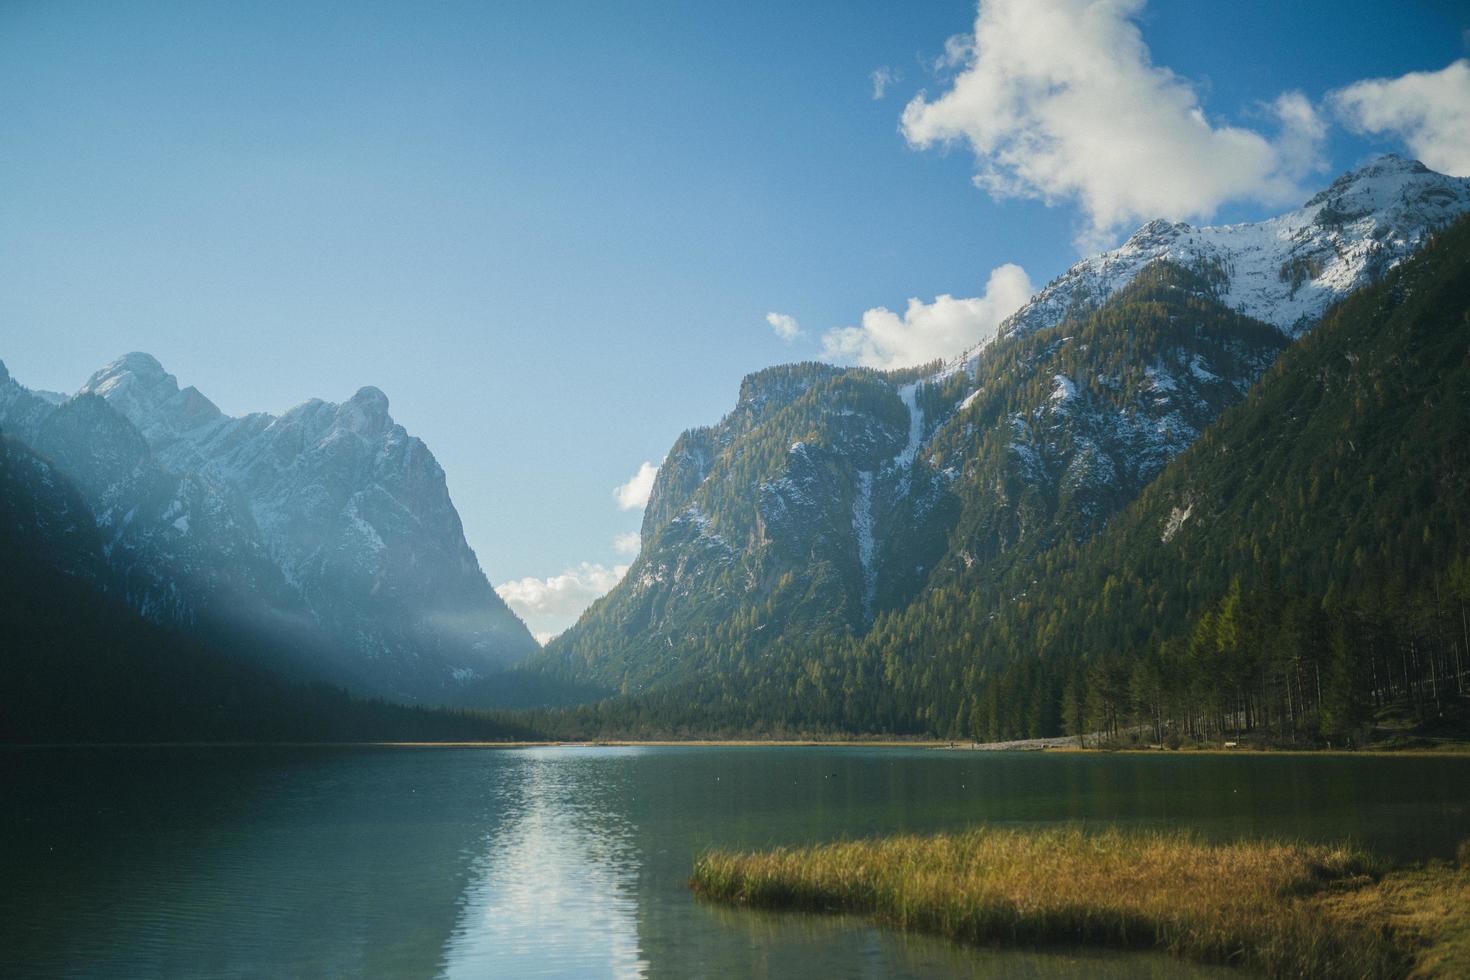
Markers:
point(1160, 380)
point(862, 526)
point(904, 461)
point(1198, 369)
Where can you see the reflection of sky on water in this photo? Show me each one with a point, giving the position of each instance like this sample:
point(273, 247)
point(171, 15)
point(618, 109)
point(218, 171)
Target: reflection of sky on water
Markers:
point(574, 862)
point(556, 896)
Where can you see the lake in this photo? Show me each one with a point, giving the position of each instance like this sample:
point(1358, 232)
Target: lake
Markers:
point(573, 862)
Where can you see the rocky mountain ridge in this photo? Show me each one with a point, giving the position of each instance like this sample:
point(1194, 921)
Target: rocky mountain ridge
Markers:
point(1285, 270)
point(329, 530)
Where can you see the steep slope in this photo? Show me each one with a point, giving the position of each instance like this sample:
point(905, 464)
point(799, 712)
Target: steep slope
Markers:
point(1306, 559)
point(830, 498)
point(1066, 425)
point(328, 531)
point(21, 410)
point(797, 477)
point(354, 511)
point(183, 548)
point(1338, 492)
point(76, 664)
point(830, 501)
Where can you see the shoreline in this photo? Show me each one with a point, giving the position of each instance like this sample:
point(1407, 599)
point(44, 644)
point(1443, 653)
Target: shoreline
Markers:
point(1449, 750)
point(1050, 746)
point(548, 744)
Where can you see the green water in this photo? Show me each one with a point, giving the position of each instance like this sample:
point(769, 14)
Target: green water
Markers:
point(573, 862)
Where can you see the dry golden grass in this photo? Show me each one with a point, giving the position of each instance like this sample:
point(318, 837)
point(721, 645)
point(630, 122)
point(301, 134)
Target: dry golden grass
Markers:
point(1427, 910)
point(1279, 909)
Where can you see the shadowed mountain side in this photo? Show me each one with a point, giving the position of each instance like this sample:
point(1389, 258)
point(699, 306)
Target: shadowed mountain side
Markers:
point(78, 664)
point(326, 535)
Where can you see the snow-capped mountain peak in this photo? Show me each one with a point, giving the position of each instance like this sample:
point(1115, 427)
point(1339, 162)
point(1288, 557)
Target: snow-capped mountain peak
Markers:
point(134, 380)
point(149, 397)
point(1285, 270)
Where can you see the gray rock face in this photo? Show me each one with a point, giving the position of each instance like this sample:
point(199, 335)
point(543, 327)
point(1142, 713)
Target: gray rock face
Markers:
point(181, 546)
point(328, 530)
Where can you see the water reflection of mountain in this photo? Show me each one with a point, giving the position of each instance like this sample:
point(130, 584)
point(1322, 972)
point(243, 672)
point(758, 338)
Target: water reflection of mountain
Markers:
point(235, 862)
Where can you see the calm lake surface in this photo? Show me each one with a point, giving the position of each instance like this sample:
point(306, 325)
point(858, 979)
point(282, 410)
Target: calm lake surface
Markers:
point(573, 862)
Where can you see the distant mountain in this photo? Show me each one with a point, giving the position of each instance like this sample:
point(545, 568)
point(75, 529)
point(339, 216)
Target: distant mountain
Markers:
point(830, 501)
point(77, 664)
point(325, 539)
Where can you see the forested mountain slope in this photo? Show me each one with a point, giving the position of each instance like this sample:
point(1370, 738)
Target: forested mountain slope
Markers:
point(970, 607)
point(830, 498)
point(1321, 528)
point(1307, 558)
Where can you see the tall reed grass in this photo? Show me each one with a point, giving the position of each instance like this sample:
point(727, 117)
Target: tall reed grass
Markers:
point(1258, 905)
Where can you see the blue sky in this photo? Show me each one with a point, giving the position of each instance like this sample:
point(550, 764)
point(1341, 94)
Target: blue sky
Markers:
point(552, 232)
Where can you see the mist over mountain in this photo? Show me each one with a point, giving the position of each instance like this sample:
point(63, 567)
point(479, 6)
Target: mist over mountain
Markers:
point(323, 541)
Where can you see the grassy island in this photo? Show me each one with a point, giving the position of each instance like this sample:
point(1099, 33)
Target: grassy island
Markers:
point(1275, 908)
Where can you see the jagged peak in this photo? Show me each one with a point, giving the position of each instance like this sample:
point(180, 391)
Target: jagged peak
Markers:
point(371, 398)
point(141, 362)
point(1386, 167)
point(1284, 270)
point(365, 412)
point(137, 385)
point(138, 363)
point(1160, 228)
point(1388, 163)
point(133, 370)
point(4, 374)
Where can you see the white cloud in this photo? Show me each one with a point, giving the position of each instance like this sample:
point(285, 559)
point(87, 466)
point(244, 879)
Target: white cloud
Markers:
point(785, 326)
point(1428, 110)
point(881, 78)
point(550, 605)
point(927, 331)
point(957, 50)
point(1303, 131)
point(633, 495)
point(1060, 100)
point(628, 544)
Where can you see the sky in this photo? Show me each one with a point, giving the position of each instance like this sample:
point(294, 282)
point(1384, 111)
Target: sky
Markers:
point(557, 234)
